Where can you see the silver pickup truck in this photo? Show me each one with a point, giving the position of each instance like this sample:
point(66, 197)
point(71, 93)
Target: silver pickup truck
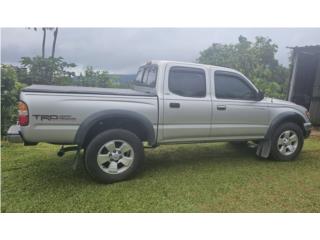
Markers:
point(170, 102)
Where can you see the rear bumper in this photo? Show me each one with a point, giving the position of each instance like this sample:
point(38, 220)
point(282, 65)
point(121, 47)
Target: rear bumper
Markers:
point(307, 128)
point(14, 135)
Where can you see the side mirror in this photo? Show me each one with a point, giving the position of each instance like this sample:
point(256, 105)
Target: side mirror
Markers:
point(260, 95)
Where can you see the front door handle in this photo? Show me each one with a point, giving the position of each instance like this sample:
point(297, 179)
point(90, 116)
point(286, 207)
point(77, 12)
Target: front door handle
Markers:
point(174, 105)
point(221, 107)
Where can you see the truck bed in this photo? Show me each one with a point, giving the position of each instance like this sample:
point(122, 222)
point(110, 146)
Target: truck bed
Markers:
point(70, 106)
point(84, 90)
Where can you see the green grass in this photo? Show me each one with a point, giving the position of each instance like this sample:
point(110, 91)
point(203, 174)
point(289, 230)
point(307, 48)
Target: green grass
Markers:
point(178, 178)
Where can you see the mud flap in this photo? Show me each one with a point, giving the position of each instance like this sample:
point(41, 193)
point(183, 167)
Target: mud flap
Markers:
point(76, 160)
point(264, 148)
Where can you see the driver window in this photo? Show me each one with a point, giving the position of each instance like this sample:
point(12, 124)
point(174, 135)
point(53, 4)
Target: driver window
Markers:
point(229, 86)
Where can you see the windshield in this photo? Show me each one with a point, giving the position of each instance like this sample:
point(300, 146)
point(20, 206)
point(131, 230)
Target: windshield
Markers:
point(147, 76)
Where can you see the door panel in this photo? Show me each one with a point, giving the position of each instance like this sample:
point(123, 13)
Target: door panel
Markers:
point(186, 117)
point(239, 118)
point(236, 117)
point(192, 119)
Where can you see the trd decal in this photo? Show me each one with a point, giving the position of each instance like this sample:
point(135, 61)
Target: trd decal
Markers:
point(53, 117)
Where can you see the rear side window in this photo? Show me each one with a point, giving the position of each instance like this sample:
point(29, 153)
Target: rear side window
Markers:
point(228, 86)
point(139, 75)
point(152, 76)
point(187, 82)
point(147, 76)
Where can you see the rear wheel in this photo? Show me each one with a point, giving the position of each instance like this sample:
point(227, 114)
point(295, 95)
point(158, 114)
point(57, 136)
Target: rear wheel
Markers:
point(114, 155)
point(287, 142)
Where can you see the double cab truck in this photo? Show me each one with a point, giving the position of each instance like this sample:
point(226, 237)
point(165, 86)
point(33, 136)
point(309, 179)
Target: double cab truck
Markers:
point(169, 103)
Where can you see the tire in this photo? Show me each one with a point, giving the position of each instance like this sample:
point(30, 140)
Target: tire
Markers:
point(280, 149)
point(114, 155)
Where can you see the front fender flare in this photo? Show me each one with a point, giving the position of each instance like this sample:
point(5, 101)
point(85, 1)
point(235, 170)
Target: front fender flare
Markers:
point(284, 117)
point(264, 147)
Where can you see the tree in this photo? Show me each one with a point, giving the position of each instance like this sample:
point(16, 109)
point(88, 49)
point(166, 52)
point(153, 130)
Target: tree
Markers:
point(56, 71)
point(96, 78)
point(256, 60)
point(44, 41)
point(10, 88)
point(55, 35)
point(43, 47)
point(48, 70)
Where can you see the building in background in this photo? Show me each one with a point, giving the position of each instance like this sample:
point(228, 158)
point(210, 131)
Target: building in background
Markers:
point(304, 84)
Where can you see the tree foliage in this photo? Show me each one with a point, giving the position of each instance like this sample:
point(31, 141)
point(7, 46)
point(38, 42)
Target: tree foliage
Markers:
point(96, 78)
point(47, 70)
point(10, 88)
point(255, 59)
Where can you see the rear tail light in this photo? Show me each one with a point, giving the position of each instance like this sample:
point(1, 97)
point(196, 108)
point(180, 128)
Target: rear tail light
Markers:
point(23, 114)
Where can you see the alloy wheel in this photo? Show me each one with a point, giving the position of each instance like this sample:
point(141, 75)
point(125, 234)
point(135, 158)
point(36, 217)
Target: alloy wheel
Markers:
point(115, 156)
point(287, 142)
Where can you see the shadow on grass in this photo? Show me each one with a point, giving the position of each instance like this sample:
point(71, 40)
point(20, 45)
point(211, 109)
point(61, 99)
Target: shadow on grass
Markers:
point(160, 159)
point(197, 153)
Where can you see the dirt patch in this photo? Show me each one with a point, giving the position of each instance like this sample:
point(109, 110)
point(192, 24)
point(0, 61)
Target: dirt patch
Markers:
point(315, 132)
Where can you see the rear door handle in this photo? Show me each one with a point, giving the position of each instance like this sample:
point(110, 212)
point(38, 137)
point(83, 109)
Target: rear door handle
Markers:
point(221, 107)
point(174, 105)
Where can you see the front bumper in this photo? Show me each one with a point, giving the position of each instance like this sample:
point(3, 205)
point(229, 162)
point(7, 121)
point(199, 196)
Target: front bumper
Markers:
point(307, 128)
point(14, 135)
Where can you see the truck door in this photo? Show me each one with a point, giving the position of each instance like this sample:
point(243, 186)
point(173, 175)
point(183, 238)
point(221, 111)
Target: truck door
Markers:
point(187, 103)
point(236, 112)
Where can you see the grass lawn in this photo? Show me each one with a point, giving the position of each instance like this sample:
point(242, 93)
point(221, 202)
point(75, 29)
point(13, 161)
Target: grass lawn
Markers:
point(215, 177)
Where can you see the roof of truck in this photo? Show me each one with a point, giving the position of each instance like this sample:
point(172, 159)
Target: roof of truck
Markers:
point(191, 64)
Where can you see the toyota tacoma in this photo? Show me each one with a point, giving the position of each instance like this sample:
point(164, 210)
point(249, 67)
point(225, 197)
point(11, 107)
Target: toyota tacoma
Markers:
point(169, 103)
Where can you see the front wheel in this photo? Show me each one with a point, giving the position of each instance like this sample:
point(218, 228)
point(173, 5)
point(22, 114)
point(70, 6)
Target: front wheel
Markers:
point(287, 142)
point(114, 155)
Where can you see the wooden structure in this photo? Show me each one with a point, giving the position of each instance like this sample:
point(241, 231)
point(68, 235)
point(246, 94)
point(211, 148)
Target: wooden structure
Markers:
point(304, 84)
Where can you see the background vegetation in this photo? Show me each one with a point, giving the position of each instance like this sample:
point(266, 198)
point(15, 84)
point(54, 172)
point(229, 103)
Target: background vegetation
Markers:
point(255, 59)
point(38, 70)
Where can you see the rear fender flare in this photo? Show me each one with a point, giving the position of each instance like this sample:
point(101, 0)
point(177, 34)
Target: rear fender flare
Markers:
point(95, 118)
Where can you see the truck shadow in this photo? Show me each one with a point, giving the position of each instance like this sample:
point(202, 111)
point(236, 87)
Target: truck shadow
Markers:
point(199, 153)
point(159, 159)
